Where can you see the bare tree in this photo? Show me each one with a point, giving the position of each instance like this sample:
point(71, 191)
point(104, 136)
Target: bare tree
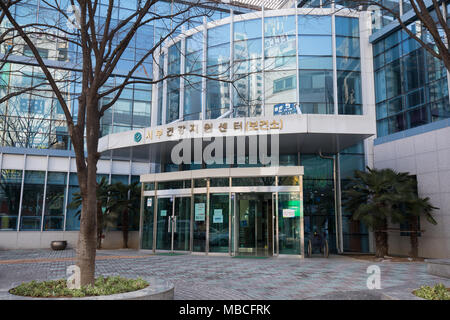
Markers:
point(432, 27)
point(102, 43)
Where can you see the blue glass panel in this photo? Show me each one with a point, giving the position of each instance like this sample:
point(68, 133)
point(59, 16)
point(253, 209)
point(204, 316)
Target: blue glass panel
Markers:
point(347, 26)
point(279, 26)
point(314, 45)
point(219, 35)
point(279, 46)
point(350, 64)
point(347, 47)
point(247, 29)
point(310, 24)
point(306, 62)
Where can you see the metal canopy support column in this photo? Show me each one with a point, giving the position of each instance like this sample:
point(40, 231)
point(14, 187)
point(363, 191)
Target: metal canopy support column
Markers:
point(207, 216)
point(141, 216)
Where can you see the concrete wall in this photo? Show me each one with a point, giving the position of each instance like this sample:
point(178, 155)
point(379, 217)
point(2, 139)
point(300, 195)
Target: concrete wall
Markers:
point(427, 155)
point(41, 240)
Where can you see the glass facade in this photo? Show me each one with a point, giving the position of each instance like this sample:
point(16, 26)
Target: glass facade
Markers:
point(279, 65)
point(44, 204)
point(411, 86)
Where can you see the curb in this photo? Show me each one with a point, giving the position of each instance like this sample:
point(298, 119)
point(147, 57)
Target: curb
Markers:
point(157, 290)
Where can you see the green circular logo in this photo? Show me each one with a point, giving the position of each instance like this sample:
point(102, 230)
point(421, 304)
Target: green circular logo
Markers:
point(137, 137)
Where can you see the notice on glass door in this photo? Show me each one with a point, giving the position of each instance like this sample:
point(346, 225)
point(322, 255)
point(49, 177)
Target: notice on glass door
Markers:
point(288, 213)
point(200, 212)
point(163, 213)
point(218, 216)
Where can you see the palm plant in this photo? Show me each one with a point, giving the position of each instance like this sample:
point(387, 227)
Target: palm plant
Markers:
point(414, 208)
point(102, 207)
point(373, 199)
point(376, 196)
point(124, 201)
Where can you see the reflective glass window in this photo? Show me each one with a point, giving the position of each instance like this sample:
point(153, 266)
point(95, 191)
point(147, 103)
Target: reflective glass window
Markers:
point(347, 47)
point(279, 26)
point(219, 222)
point(311, 24)
point(349, 92)
point(72, 215)
point(10, 187)
point(218, 35)
point(247, 29)
point(55, 200)
point(348, 27)
point(33, 188)
point(314, 45)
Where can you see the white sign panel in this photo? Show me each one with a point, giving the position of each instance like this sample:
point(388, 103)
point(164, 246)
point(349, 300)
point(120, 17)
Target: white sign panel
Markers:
point(288, 213)
point(218, 216)
point(200, 211)
point(149, 202)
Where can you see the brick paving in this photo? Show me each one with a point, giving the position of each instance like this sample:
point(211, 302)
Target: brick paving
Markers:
point(200, 277)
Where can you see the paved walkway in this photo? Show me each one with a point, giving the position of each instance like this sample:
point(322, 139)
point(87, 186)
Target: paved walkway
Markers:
point(201, 277)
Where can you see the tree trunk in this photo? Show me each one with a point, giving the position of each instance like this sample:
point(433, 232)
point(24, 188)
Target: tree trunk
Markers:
point(413, 237)
point(381, 241)
point(87, 241)
point(87, 178)
point(125, 228)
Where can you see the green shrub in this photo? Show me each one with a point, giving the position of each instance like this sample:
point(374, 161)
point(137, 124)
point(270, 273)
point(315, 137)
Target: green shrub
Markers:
point(438, 292)
point(58, 288)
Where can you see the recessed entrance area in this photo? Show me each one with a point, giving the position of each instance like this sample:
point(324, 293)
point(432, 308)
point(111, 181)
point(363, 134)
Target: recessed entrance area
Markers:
point(254, 223)
point(251, 212)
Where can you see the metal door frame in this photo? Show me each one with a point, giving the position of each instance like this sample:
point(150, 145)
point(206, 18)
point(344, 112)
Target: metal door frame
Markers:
point(172, 222)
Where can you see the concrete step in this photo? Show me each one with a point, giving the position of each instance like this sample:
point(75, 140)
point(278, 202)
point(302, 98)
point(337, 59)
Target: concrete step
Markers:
point(438, 267)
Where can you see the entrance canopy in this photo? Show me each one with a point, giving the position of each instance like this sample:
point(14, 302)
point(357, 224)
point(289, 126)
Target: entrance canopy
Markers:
point(308, 133)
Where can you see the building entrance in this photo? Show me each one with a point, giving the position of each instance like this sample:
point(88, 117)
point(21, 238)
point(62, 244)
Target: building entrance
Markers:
point(173, 223)
point(254, 223)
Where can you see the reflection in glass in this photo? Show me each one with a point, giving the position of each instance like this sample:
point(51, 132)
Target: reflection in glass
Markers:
point(10, 185)
point(288, 225)
point(315, 46)
point(147, 223)
point(182, 227)
point(311, 24)
point(55, 201)
point(72, 219)
point(316, 92)
point(218, 222)
point(199, 223)
point(33, 188)
point(349, 92)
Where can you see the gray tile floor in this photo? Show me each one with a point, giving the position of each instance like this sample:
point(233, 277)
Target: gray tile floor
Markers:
point(201, 277)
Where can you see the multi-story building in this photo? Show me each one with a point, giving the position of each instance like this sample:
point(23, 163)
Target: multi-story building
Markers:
point(324, 82)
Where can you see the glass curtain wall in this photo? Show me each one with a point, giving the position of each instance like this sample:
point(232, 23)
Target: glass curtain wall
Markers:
point(318, 197)
point(315, 64)
point(33, 189)
point(10, 186)
point(193, 84)
point(280, 54)
point(247, 67)
point(199, 223)
point(55, 200)
point(147, 223)
point(265, 65)
point(411, 85)
point(348, 66)
point(218, 67)
point(218, 222)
